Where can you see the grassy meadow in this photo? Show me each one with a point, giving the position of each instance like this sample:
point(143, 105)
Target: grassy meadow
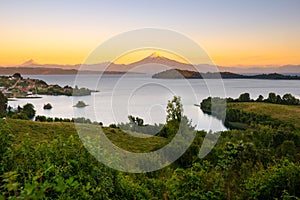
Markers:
point(284, 113)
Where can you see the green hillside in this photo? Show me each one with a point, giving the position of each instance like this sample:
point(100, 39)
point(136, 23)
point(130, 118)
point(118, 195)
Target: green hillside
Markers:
point(43, 132)
point(285, 113)
point(47, 160)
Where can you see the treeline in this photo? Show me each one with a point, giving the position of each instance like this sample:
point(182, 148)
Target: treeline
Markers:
point(242, 120)
point(136, 124)
point(26, 112)
point(286, 99)
point(82, 120)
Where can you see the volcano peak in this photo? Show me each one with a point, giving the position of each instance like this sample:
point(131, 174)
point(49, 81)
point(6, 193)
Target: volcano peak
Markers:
point(155, 55)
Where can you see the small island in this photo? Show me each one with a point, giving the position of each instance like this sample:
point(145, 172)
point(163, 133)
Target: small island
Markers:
point(80, 104)
point(186, 74)
point(47, 106)
point(16, 86)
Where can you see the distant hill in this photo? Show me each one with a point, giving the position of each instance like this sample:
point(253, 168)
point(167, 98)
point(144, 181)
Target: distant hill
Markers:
point(179, 74)
point(47, 71)
point(285, 69)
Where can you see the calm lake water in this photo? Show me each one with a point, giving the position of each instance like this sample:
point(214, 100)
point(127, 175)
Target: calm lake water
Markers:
point(140, 95)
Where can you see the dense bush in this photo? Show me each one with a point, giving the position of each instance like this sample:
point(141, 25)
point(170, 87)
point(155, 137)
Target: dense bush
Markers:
point(280, 181)
point(26, 112)
point(3, 104)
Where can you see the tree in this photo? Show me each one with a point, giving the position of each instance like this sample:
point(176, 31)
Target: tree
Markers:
point(278, 99)
point(41, 118)
point(9, 110)
point(245, 97)
point(174, 109)
point(290, 99)
point(136, 121)
point(19, 109)
point(139, 121)
point(272, 98)
point(287, 148)
point(17, 75)
point(260, 98)
point(173, 119)
point(28, 110)
point(3, 104)
point(131, 119)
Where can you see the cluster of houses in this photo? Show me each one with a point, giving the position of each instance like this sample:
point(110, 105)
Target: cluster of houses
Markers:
point(17, 89)
point(5, 91)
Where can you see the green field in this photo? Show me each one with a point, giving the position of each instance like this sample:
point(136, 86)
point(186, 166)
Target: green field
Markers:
point(43, 132)
point(284, 113)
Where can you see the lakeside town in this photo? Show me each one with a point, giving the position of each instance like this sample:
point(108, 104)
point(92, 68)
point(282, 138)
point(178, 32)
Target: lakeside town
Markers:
point(16, 86)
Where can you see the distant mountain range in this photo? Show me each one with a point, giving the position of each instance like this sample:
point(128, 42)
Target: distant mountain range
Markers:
point(152, 64)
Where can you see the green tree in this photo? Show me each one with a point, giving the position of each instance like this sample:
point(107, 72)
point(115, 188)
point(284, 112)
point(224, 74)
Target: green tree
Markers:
point(131, 119)
point(3, 104)
point(287, 148)
point(245, 97)
point(40, 118)
point(272, 97)
point(139, 121)
point(28, 110)
point(201, 181)
point(260, 98)
point(290, 99)
point(173, 119)
point(174, 109)
point(280, 179)
point(17, 75)
point(135, 121)
point(278, 99)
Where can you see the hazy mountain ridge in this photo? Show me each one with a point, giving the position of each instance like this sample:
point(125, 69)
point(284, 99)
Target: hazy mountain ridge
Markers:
point(152, 64)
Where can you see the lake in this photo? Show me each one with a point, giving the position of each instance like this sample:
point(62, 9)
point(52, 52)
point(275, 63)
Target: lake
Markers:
point(140, 95)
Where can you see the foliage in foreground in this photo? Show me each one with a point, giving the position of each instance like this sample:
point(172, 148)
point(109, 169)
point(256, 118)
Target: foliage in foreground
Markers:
point(53, 163)
point(48, 160)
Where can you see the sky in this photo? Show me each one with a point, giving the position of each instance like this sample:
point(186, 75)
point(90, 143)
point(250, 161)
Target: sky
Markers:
point(233, 33)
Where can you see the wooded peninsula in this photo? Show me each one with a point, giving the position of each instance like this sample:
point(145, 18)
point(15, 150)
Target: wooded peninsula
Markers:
point(180, 74)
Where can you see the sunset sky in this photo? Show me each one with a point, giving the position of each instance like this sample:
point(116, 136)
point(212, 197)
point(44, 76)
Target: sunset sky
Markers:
point(256, 32)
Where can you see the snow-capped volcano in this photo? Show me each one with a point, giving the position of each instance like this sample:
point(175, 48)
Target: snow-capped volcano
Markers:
point(155, 55)
point(29, 63)
point(157, 62)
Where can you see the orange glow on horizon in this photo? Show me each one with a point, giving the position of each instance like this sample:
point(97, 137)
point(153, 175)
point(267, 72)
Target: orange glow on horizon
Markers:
point(70, 56)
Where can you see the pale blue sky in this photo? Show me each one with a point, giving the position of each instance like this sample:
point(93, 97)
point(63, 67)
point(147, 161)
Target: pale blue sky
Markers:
point(223, 27)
